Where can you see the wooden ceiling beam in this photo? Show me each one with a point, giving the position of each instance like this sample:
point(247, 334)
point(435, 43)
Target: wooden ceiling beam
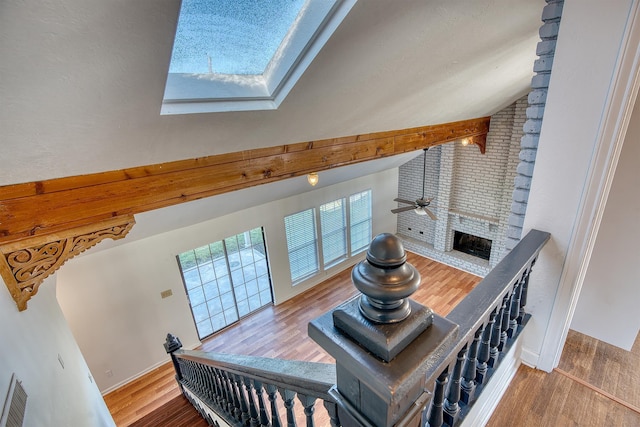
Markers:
point(45, 223)
point(43, 207)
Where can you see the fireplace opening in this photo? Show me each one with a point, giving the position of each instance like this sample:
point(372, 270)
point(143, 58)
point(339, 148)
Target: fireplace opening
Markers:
point(472, 245)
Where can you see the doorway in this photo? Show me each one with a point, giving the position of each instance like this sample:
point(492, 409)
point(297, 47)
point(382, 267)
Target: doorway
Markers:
point(226, 280)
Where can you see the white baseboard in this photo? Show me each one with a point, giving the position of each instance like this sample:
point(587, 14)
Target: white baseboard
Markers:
point(483, 408)
point(142, 373)
point(530, 358)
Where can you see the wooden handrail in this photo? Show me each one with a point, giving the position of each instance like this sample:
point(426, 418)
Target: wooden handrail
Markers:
point(484, 303)
point(302, 377)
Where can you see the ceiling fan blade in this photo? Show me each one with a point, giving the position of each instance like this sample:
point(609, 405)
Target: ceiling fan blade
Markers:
point(405, 201)
point(403, 209)
point(431, 215)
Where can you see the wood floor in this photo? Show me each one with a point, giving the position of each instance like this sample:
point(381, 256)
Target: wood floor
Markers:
point(178, 412)
point(279, 331)
point(595, 384)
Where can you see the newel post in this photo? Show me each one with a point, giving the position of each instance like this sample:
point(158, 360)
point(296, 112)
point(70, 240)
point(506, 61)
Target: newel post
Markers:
point(383, 342)
point(171, 345)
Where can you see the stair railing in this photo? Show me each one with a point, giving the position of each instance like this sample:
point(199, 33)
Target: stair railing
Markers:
point(397, 362)
point(239, 390)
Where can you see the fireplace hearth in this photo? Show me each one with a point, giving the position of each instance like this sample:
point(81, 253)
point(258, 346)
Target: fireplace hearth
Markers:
point(472, 245)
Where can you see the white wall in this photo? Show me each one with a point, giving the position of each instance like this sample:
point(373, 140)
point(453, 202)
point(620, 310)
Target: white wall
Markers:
point(111, 299)
point(581, 86)
point(607, 308)
point(31, 342)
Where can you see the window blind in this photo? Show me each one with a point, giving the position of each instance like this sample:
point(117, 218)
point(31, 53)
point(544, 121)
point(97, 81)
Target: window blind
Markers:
point(333, 225)
point(360, 220)
point(300, 229)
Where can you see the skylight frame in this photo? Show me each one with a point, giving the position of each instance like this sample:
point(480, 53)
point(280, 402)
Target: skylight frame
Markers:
point(187, 93)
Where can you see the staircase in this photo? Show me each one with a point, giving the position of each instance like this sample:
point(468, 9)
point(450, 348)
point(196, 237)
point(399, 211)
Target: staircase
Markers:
point(397, 363)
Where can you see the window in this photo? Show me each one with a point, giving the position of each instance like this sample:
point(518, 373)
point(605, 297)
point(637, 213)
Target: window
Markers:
point(334, 219)
point(301, 244)
point(236, 55)
point(360, 220)
point(333, 224)
point(226, 280)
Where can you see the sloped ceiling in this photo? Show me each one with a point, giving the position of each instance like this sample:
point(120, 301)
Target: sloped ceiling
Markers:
point(81, 82)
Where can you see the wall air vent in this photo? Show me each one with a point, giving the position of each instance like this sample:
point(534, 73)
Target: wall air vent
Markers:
point(14, 405)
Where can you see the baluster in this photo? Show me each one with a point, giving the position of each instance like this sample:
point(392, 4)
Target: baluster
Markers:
point(222, 392)
point(244, 409)
point(204, 378)
point(514, 312)
point(228, 393)
point(253, 411)
point(264, 416)
point(505, 322)
point(287, 397)
point(183, 371)
point(216, 392)
point(435, 417)
point(235, 396)
point(525, 291)
point(194, 378)
point(332, 409)
point(495, 338)
point(206, 387)
point(468, 382)
point(219, 394)
point(484, 351)
point(202, 382)
point(184, 368)
point(308, 403)
point(189, 369)
point(451, 406)
point(275, 417)
point(197, 379)
point(191, 375)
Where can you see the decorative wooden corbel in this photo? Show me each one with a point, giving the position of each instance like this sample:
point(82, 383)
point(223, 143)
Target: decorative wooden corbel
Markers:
point(26, 263)
point(480, 141)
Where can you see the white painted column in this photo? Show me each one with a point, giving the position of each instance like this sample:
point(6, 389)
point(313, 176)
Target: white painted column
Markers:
point(588, 105)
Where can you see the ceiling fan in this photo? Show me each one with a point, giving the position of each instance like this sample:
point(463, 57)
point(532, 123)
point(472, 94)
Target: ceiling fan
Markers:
point(421, 205)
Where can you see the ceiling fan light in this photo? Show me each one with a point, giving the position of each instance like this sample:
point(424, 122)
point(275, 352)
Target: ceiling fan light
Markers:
point(419, 211)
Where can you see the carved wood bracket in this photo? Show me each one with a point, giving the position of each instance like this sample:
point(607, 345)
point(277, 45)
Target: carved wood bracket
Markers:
point(26, 263)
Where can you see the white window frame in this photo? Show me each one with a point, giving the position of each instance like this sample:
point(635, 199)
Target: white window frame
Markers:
point(321, 264)
point(205, 93)
point(352, 250)
point(326, 234)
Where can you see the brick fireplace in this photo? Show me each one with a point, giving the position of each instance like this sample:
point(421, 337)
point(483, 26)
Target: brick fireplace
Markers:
point(472, 191)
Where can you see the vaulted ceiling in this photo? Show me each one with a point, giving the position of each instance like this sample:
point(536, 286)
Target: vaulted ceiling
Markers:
point(82, 81)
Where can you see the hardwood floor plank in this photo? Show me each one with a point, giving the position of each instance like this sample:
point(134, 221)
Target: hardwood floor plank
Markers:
point(537, 399)
point(534, 398)
point(177, 412)
point(607, 367)
point(281, 332)
point(577, 393)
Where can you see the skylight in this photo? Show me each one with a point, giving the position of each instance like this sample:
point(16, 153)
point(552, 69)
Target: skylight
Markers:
point(233, 55)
